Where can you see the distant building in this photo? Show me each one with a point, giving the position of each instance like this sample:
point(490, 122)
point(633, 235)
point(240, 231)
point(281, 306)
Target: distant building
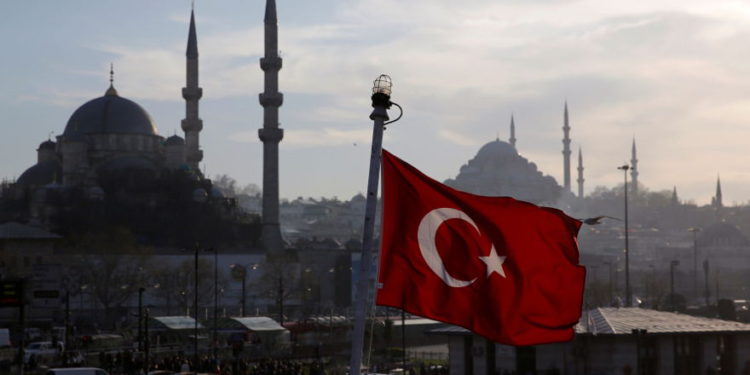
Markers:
point(611, 341)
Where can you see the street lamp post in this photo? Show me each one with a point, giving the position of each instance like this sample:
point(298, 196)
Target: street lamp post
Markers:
point(707, 293)
point(652, 284)
point(695, 231)
point(239, 272)
point(628, 297)
point(381, 101)
point(216, 305)
point(672, 265)
point(147, 343)
point(611, 284)
point(140, 319)
point(195, 310)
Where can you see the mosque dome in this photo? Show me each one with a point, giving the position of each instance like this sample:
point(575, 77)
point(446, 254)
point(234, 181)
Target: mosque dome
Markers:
point(496, 149)
point(41, 174)
point(174, 140)
point(47, 145)
point(110, 113)
point(498, 170)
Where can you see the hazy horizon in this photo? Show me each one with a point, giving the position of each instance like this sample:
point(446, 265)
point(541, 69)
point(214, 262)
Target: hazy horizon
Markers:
point(671, 74)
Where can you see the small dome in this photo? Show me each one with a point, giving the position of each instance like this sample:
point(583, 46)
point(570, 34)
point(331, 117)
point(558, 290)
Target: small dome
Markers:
point(41, 174)
point(110, 114)
point(174, 140)
point(47, 145)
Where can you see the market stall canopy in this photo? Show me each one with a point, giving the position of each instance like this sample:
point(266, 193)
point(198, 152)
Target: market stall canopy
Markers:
point(177, 323)
point(251, 323)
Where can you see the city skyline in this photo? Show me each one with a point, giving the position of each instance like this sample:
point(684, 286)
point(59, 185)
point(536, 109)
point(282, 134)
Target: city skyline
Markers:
point(666, 74)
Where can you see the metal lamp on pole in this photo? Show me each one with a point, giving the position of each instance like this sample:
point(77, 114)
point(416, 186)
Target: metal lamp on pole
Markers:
point(381, 101)
point(628, 297)
point(672, 265)
point(695, 231)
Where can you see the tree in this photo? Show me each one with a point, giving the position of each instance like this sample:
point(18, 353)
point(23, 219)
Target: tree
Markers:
point(177, 284)
point(112, 265)
point(280, 281)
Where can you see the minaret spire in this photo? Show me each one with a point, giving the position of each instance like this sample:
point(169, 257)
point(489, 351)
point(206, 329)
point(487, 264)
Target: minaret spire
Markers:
point(512, 131)
point(580, 173)
point(634, 171)
point(192, 124)
point(566, 149)
point(111, 90)
point(718, 198)
point(271, 134)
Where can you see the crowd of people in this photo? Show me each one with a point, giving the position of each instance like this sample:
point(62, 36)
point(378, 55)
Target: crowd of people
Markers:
point(129, 364)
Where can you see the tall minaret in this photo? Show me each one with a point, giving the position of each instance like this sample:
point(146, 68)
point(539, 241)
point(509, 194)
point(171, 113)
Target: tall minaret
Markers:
point(192, 124)
point(580, 173)
point(718, 199)
point(566, 149)
point(271, 134)
point(634, 172)
point(512, 139)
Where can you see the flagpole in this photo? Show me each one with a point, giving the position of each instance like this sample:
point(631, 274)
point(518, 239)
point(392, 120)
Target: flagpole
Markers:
point(380, 103)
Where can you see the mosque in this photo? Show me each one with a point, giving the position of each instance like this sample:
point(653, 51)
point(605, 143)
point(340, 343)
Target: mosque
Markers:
point(499, 170)
point(111, 167)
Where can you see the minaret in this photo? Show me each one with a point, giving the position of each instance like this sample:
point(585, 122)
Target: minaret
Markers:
point(717, 199)
point(566, 149)
point(580, 173)
point(271, 134)
point(192, 124)
point(512, 132)
point(675, 199)
point(634, 172)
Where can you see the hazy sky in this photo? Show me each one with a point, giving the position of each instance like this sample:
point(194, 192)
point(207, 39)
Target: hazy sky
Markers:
point(674, 74)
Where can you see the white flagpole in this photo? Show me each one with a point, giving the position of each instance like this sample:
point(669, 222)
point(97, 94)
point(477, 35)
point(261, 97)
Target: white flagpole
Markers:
point(380, 102)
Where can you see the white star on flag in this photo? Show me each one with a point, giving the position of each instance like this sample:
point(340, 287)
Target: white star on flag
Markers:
point(494, 263)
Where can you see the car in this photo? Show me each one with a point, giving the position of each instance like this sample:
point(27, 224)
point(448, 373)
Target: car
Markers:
point(42, 351)
point(76, 371)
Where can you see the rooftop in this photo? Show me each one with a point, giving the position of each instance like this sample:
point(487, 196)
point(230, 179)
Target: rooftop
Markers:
point(621, 321)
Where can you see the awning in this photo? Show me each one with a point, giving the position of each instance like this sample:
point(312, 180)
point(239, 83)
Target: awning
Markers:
point(175, 322)
point(252, 323)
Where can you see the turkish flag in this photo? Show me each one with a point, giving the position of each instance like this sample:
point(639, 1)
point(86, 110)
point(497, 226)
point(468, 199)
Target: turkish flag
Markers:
point(505, 269)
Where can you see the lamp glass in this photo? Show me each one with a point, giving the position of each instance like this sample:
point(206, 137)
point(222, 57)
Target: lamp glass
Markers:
point(382, 85)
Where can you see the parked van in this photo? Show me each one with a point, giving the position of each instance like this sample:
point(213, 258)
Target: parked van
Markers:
point(76, 371)
point(4, 337)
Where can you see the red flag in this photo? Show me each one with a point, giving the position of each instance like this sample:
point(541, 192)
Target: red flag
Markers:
point(504, 269)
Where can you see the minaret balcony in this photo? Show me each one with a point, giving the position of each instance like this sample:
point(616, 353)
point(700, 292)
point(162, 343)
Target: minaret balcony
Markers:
point(192, 93)
point(192, 125)
point(270, 63)
point(273, 99)
point(194, 156)
point(271, 135)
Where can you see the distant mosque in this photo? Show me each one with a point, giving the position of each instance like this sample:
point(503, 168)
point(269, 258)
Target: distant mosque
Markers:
point(111, 167)
point(499, 170)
